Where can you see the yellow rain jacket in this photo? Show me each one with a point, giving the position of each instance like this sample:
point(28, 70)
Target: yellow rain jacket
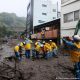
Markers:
point(28, 46)
point(75, 54)
point(47, 47)
point(38, 48)
point(21, 44)
point(53, 45)
point(16, 49)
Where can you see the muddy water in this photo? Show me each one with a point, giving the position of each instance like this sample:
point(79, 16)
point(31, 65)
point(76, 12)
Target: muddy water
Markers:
point(6, 51)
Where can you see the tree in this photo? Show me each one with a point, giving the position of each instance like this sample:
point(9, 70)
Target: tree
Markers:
point(9, 20)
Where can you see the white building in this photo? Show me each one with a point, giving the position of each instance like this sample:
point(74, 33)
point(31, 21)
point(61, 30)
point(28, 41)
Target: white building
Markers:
point(70, 14)
point(40, 12)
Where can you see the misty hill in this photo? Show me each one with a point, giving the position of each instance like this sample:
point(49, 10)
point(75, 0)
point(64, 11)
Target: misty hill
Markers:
point(11, 20)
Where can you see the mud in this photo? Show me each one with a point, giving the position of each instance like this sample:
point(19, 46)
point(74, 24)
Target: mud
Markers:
point(50, 69)
point(41, 69)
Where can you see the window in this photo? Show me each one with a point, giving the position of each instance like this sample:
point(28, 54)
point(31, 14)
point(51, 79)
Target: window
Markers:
point(54, 17)
point(40, 21)
point(76, 15)
point(68, 17)
point(54, 10)
point(44, 13)
point(44, 5)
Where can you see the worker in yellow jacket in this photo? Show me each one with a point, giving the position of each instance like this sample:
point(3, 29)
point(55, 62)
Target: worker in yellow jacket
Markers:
point(74, 53)
point(38, 46)
point(54, 48)
point(16, 51)
point(47, 49)
point(28, 47)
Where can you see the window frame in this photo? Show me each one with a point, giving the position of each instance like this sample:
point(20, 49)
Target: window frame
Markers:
point(66, 18)
point(40, 21)
point(75, 19)
point(54, 17)
point(44, 13)
point(54, 10)
point(44, 5)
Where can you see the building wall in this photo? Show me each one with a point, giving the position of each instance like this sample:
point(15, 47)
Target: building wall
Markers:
point(43, 6)
point(39, 12)
point(68, 28)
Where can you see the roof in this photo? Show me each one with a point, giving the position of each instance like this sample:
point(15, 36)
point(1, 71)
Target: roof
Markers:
point(51, 23)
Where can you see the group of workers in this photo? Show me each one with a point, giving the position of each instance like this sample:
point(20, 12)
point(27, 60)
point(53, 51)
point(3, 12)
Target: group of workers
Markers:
point(45, 49)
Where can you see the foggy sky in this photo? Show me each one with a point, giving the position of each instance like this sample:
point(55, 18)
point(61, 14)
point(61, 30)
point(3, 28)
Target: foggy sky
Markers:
point(17, 6)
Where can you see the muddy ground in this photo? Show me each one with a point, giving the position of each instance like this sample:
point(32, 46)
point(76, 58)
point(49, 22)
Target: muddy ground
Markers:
point(40, 69)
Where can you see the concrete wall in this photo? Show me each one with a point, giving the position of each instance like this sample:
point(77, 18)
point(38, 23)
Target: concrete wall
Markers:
point(68, 28)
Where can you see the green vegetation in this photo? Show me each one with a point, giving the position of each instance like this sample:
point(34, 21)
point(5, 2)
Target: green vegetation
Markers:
point(8, 20)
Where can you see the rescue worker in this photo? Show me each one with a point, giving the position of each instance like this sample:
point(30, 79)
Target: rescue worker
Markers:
point(66, 48)
point(16, 51)
point(54, 48)
point(28, 48)
point(75, 53)
point(38, 46)
point(47, 49)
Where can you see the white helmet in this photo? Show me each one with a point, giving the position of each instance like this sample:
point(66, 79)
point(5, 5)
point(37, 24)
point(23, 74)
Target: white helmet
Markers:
point(43, 42)
point(50, 40)
point(24, 43)
point(41, 45)
point(76, 37)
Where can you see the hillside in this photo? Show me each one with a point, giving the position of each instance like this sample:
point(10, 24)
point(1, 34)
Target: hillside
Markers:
point(11, 20)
